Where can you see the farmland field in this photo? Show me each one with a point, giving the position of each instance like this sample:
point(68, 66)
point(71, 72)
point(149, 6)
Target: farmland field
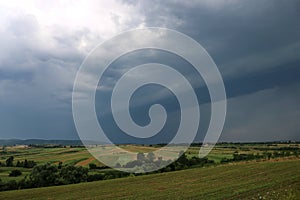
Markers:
point(81, 157)
point(267, 171)
point(276, 179)
point(43, 155)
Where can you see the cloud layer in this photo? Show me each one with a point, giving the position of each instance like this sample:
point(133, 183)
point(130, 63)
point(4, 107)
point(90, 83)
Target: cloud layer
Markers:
point(255, 44)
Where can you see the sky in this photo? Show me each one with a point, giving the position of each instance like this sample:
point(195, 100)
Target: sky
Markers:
point(254, 43)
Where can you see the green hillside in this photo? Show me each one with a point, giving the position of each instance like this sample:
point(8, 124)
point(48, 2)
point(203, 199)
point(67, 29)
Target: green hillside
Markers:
point(253, 180)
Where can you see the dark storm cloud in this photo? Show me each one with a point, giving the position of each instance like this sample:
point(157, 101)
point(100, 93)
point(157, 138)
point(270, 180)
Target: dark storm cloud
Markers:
point(234, 31)
point(255, 44)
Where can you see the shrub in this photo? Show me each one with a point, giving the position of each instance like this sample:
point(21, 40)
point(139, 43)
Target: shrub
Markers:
point(9, 161)
point(15, 173)
point(92, 166)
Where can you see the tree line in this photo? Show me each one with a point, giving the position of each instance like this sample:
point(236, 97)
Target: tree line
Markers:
point(265, 155)
point(9, 162)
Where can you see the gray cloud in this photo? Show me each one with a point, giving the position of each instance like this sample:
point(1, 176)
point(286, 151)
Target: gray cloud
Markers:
point(241, 36)
point(37, 71)
point(256, 45)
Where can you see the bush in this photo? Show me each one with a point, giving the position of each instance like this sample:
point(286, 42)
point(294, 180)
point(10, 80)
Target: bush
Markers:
point(15, 173)
point(92, 166)
point(26, 164)
point(72, 174)
point(95, 177)
point(9, 161)
point(11, 185)
point(44, 175)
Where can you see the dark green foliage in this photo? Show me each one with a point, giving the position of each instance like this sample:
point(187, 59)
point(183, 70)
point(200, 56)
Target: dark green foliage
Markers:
point(29, 164)
point(11, 185)
point(115, 174)
point(183, 159)
point(92, 166)
point(225, 160)
point(9, 161)
point(48, 175)
point(19, 164)
point(237, 156)
point(15, 173)
point(26, 164)
point(95, 177)
point(59, 165)
point(72, 174)
point(44, 175)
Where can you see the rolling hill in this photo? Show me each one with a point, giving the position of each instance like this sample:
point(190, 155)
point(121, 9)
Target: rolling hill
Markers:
point(279, 179)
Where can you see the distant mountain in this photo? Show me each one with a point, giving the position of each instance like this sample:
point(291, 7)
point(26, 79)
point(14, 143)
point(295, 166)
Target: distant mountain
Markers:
point(10, 142)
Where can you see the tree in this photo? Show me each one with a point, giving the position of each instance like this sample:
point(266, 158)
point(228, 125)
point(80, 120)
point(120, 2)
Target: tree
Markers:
point(11, 185)
point(140, 156)
point(151, 156)
point(269, 155)
point(9, 161)
point(19, 164)
point(44, 175)
point(60, 165)
point(31, 164)
point(182, 158)
point(25, 165)
point(15, 173)
point(92, 166)
point(95, 177)
point(72, 174)
point(133, 163)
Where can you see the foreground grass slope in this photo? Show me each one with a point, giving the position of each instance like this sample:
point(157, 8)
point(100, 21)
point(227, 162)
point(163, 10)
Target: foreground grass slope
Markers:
point(254, 180)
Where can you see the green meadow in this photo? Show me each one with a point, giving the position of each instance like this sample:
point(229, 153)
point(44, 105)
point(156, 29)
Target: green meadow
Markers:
point(252, 180)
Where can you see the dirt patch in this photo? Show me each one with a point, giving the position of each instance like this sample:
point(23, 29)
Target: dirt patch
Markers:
point(85, 162)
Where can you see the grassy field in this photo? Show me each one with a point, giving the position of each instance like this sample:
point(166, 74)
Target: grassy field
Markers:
point(252, 180)
point(43, 155)
point(4, 173)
